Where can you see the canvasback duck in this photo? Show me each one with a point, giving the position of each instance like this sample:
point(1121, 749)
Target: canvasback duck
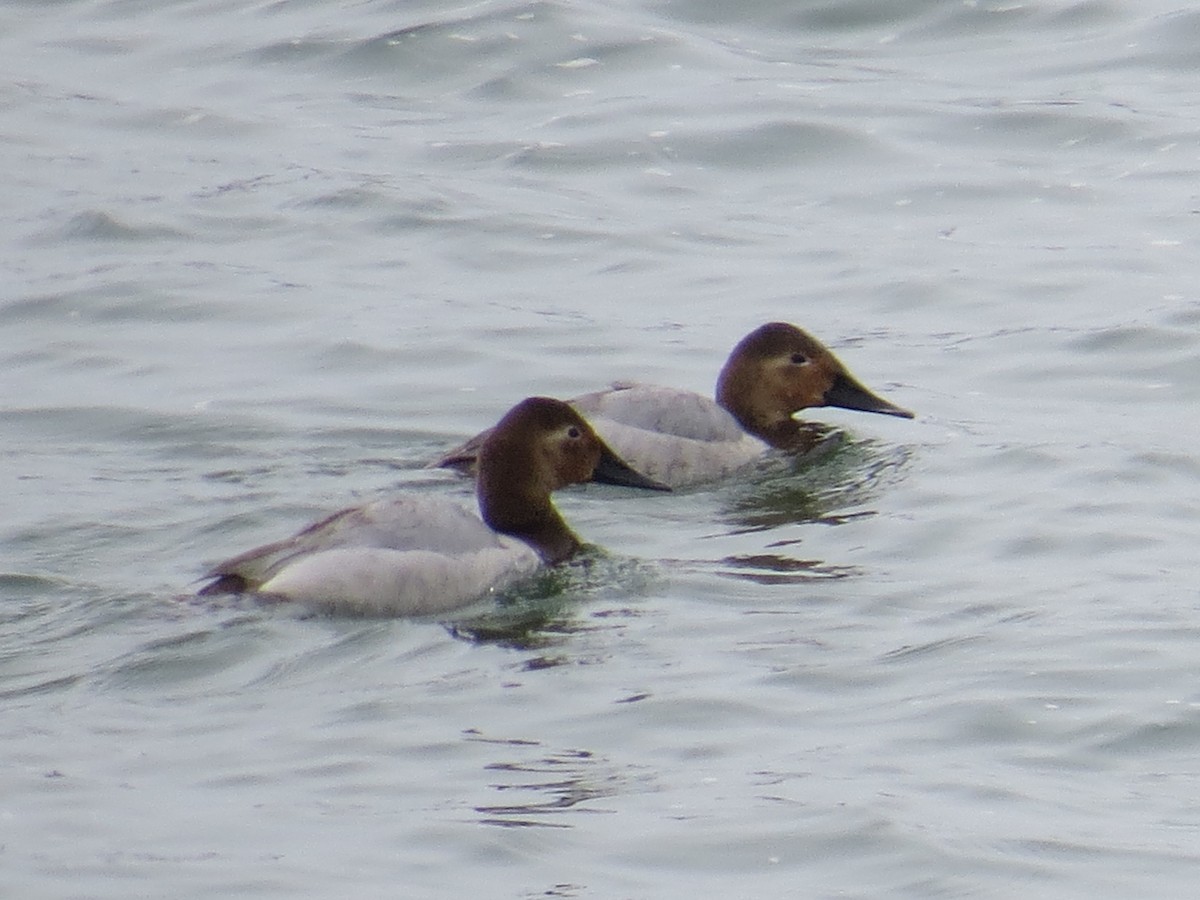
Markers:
point(423, 555)
point(681, 438)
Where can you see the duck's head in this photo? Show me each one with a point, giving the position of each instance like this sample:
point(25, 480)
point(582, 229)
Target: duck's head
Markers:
point(539, 446)
point(778, 370)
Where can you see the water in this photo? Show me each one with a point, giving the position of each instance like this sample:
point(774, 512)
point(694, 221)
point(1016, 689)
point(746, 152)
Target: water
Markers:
point(264, 259)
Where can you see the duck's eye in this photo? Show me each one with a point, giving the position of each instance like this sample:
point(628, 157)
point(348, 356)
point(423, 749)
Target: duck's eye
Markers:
point(573, 433)
point(799, 359)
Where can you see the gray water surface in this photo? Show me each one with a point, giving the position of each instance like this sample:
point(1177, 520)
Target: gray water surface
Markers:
point(266, 259)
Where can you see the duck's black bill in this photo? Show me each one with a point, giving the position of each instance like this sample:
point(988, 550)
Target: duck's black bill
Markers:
point(849, 394)
point(613, 470)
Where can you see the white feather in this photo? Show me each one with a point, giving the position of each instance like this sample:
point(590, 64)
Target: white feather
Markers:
point(673, 436)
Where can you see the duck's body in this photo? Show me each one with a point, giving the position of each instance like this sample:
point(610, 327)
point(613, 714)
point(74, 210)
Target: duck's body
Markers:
point(423, 555)
point(682, 438)
point(408, 555)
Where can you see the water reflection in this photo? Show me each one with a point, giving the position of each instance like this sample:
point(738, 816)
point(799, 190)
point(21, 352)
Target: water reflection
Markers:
point(541, 612)
point(829, 486)
point(822, 487)
point(544, 784)
point(775, 568)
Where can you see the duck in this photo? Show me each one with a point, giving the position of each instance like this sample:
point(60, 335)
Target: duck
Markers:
point(680, 438)
point(421, 555)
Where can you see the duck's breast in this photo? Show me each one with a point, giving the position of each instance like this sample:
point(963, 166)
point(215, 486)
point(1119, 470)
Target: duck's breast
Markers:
point(676, 437)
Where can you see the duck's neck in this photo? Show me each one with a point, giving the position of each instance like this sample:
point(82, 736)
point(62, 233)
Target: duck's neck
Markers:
point(526, 514)
point(780, 433)
point(551, 539)
point(787, 434)
point(796, 437)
